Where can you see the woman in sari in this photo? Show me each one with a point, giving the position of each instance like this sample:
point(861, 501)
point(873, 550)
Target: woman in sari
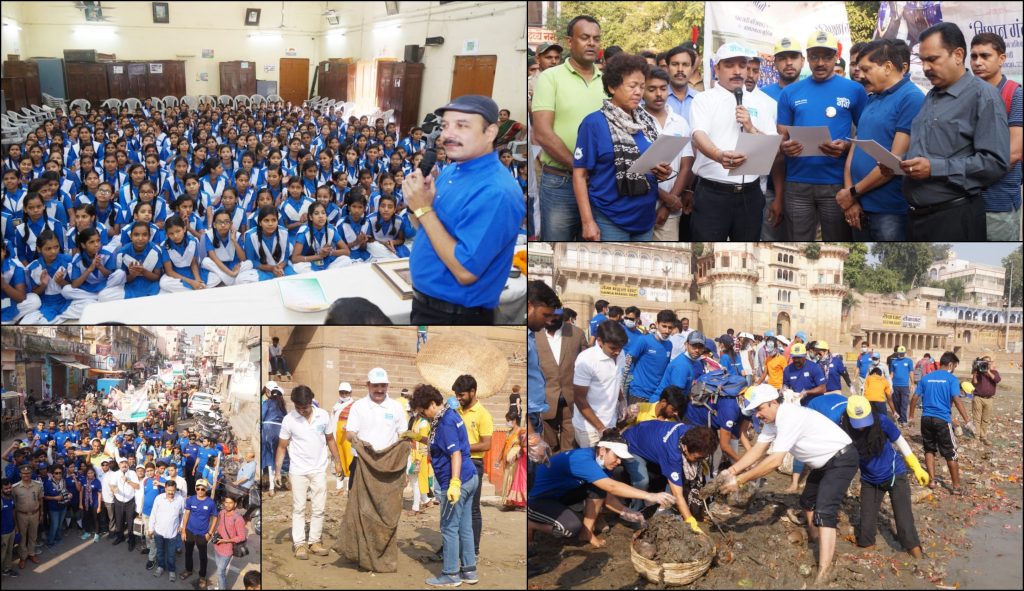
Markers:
point(509, 130)
point(513, 458)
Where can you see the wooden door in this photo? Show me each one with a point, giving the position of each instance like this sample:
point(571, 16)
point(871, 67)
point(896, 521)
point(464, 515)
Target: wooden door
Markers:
point(246, 78)
point(350, 84)
point(473, 74)
point(229, 73)
point(28, 74)
point(385, 83)
point(138, 81)
point(174, 74)
point(408, 86)
point(14, 93)
point(294, 80)
point(117, 80)
point(87, 80)
point(157, 82)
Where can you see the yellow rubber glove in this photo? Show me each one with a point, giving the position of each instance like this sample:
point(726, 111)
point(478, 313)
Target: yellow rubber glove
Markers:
point(693, 524)
point(412, 435)
point(454, 490)
point(920, 473)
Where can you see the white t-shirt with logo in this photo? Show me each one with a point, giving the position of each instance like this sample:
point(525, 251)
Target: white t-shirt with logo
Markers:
point(307, 444)
point(809, 435)
point(602, 376)
point(377, 425)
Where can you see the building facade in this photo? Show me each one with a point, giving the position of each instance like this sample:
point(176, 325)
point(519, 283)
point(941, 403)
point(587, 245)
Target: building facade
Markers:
point(983, 284)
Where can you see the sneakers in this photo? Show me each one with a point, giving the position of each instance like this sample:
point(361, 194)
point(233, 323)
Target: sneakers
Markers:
point(469, 577)
point(10, 573)
point(445, 581)
point(318, 549)
point(86, 536)
point(96, 538)
point(159, 571)
point(301, 552)
point(171, 578)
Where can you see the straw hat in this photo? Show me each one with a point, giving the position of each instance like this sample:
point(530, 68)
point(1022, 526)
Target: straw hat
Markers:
point(446, 356)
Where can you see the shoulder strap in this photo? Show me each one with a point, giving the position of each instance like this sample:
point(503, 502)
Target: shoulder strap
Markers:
point(1009, 88)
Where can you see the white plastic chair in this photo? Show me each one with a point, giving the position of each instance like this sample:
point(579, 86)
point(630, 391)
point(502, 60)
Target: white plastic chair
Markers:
point(389, 115)
point(133, 104)
point(170, 101)
point(257, 100)
point(275, 98)
point(81, 102)
point(191, 101)
point(242, 100)
point(112, 103)
point(225, 100)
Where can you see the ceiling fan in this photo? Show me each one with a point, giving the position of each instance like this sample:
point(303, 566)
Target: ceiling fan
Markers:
point(93, 11)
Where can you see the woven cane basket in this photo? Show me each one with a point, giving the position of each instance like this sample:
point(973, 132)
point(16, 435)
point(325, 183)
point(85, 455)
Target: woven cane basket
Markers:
point(669, 573)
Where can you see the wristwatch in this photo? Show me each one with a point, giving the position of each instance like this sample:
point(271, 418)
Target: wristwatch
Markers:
point(854, 193)
point(422, 211)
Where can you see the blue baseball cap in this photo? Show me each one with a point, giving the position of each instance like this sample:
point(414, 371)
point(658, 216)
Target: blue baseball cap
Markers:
point(473, 103)
point(800, 335)
point(768, 333)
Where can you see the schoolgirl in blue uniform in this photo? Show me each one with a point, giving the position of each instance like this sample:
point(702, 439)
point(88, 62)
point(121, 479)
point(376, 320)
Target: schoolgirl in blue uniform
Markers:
point(143, 214)
point(339, 188)
point(88, 271)
point(318, 245)
point(48, 188)
point(229, 204)
point(248, 164)
point(198, 159)
point(154, 173)
point(85, 218)
point(372, 162)
point(324, 196)
point(352, 165)
point(413, 142)
point(244, 190)
point(387, 239)
point(387, 189)
point(263, 198)
point(148, 194)
point(13, 191)
point(180, 259)
point(13, 156)
point(17, 300)
point(185, 207)
point(293, 209)
point(355, 229)
point(34, 222)
point(174, 186)
point(277, 188)
point(110, 174)
point(130, 190)
point(212, 181)
point(225, 257)
point(309, 178)
point(267, 246)
point(47, 276)
point(325, 171)
point(135, 266)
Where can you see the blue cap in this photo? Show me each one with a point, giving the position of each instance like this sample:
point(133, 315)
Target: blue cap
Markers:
point(768, 333)
point(800, 335)
point(473, 103)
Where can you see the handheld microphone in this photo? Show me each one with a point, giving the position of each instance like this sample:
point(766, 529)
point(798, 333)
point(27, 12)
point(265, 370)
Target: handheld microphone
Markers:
point(427, 164)
point(738, 93)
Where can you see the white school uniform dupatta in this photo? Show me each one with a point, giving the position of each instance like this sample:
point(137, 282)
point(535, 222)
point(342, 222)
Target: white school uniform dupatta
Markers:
point(181, 257)
point(213, 187)
point(255, 238)
point(225, 251)
point(148, 258)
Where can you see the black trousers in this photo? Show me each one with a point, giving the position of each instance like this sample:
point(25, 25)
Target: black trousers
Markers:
point(124, 517)
point(719, 214)
point(826, 487)
point(965, 222)
point(871, 496)
point(195, 541)
point(421, 314)
point(478, 520)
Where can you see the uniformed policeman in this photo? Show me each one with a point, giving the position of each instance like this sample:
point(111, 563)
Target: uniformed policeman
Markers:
point(28, 512)
point(471, 219)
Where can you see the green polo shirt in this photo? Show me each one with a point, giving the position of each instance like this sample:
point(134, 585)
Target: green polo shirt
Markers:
point(561, 89)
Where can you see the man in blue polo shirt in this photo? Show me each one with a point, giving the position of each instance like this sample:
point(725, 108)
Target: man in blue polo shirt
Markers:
point(630, 319)
point(687, 366)
point(802, 377)
point(650, 356)
point(471, 219)
point(812, 182)
point(831, 365)
point(601, 307)
point(939, 391)
point(863, 364)
point(872, 201)
point(902, 369)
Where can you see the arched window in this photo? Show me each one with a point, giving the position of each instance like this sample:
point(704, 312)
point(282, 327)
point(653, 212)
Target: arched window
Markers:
point(620, 261)
point(677, 268)
point(606, 259)
point(645, 264)
point(570, 254)
point(633, 263)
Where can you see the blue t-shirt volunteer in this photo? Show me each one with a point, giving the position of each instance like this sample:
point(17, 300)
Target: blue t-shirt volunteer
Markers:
point(450, 436)
point(864, 364)
point(833, 374)
point(650, 358)
point(658, 442)
point(566, 471)
point(831, 405)
point(595, 322)
point(937, 391)
point(885, 114)
point(482, 207)
point(804, 378)
point(594, 153)
point(200, 514)
point(887, 465)
point(901, 368)
point(681, 372)
point(836, 103)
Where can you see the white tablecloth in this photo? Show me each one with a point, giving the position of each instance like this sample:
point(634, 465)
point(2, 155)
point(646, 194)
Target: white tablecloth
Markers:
point(260, 303)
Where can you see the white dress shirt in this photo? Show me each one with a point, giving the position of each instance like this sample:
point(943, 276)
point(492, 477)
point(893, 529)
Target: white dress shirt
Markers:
point(165, 518)
point(307, 443)
point(714, 113)
point(602, 376)
point(378, 425)
point(676, 124)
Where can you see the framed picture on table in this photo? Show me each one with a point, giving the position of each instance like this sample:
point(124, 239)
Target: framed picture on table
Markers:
point(397, 274)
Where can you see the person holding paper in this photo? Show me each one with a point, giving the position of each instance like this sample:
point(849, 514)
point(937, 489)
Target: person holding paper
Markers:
point(873, 203)
point(670, 205)
point(616, 204)
point(727, 207)
point(789, 61)
point(959, 144)
point(812, 182)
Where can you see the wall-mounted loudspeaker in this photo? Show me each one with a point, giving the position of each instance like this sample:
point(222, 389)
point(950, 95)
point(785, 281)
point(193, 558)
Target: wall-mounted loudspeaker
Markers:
point(434, 41)
point(413, 54)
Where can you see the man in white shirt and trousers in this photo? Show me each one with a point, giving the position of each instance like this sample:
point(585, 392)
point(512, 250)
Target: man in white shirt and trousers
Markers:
point(377, 419)
point(816, 441)
point(307, 434)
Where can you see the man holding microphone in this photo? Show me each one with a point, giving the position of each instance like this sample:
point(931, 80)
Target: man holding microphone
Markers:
point(471, 219)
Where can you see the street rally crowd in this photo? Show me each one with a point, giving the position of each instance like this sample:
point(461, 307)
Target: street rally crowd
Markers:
point(375, 444)
point(147, 483)
point(106, 205)
point(672, 407)
point(959, 145)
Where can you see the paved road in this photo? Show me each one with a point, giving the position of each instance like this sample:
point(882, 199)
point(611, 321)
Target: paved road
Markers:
point(77, 564)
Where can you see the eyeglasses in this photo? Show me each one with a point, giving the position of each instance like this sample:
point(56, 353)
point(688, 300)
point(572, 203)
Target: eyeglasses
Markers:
point(200, 488)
